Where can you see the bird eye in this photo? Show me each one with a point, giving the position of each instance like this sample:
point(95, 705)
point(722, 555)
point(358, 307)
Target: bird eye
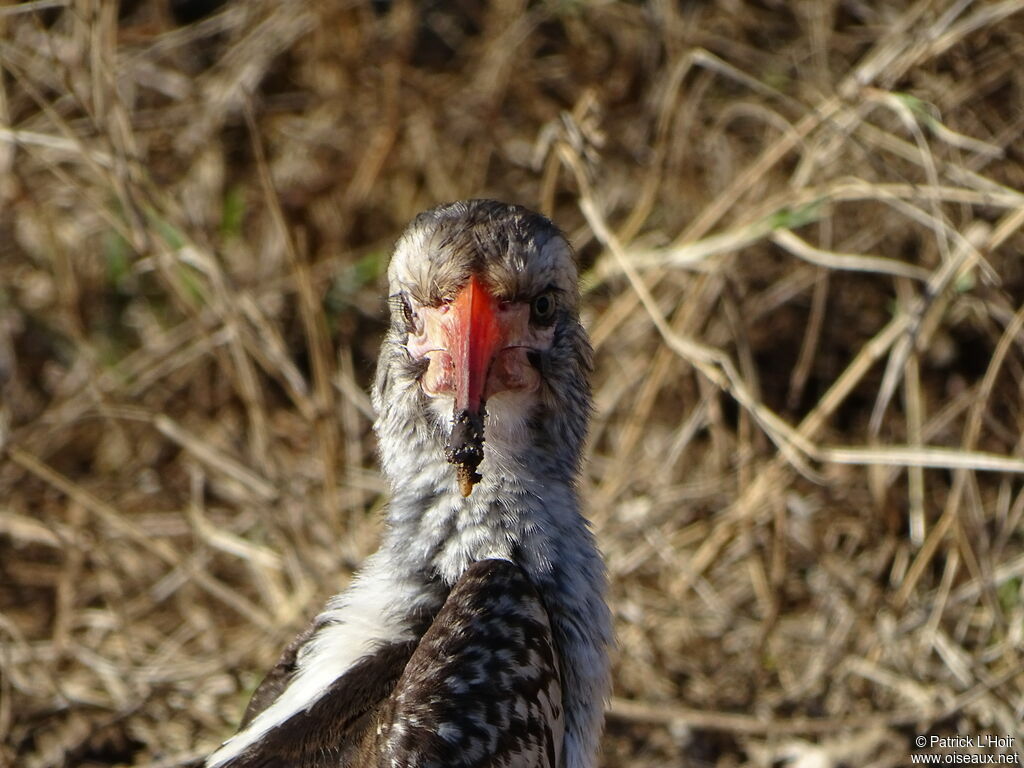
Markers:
point(542, 310)
point(408, 314)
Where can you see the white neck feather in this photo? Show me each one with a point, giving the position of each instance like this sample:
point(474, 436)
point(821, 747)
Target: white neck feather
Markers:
point(525, 510)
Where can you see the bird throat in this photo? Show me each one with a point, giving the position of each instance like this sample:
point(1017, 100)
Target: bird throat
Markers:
point(465, 448)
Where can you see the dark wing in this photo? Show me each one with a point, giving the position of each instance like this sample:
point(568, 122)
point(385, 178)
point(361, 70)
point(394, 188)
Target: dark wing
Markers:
point(277, 679)
point(483, 688)
point(331, 731)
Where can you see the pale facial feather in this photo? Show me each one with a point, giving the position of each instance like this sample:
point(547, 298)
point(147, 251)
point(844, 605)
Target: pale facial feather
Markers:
point(517, 261)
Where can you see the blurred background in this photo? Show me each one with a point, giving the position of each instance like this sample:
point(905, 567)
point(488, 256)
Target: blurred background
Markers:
point(800, 230)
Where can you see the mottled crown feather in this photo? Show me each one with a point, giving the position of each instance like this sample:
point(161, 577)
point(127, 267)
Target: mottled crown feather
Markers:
point(518, 252)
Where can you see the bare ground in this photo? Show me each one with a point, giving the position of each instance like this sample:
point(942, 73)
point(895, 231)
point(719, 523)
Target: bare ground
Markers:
point(801, 228)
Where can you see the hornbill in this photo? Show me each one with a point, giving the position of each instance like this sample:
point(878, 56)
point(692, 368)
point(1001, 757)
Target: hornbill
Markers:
point(478, 634)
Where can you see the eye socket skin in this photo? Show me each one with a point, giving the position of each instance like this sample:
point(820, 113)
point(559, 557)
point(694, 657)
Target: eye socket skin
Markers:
point(542, 308)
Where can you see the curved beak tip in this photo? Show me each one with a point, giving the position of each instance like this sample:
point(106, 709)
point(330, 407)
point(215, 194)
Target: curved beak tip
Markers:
point(467, 479)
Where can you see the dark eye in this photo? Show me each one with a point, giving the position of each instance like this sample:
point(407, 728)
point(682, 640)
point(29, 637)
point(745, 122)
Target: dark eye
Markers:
point(542, 310)
point(407, 311)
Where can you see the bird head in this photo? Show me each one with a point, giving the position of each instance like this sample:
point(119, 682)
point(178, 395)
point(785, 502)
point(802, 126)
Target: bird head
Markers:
point(485, 338)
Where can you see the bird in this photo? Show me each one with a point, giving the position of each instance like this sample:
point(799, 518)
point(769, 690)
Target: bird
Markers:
point(479, 633)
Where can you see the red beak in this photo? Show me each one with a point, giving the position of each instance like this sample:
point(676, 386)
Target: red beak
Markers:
point(474, 338)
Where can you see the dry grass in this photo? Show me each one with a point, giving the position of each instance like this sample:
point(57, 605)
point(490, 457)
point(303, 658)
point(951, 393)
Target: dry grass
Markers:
point(801, 225)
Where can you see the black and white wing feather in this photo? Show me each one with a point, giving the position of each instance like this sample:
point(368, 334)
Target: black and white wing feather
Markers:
point(482, 687)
